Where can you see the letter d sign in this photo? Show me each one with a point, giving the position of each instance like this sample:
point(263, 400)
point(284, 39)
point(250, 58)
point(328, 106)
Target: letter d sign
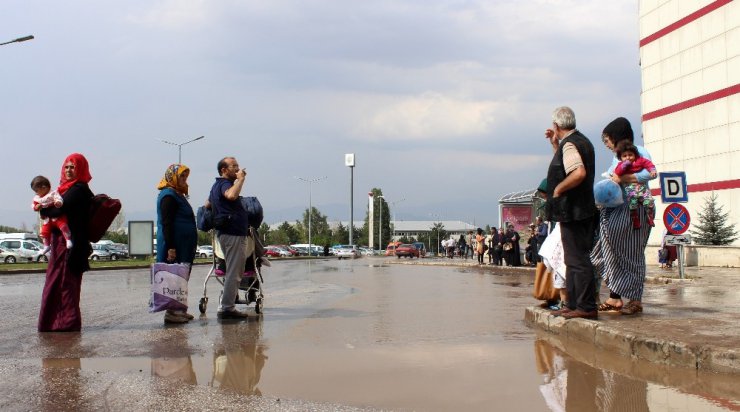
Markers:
point(673, 187)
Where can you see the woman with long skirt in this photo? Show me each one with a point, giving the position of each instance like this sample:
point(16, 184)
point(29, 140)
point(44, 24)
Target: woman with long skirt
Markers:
point(60, 301)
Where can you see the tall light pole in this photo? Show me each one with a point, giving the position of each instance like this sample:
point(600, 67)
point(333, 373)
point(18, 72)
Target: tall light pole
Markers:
point(179, 147)
point(18, 40)
point(310, 207)
point(393, 204)
point(380, 222)
point(349, 161)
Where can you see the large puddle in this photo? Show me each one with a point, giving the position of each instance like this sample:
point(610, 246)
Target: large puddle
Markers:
point(356, 335)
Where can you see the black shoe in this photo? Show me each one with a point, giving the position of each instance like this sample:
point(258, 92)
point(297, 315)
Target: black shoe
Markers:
point(231, 314)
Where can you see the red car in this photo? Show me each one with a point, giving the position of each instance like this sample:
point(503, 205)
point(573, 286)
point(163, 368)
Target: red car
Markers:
point(293, 252)
point(409, 251)
point(272, 251)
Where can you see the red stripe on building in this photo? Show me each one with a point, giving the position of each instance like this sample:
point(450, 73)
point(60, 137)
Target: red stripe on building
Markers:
point(684, 21)
point(696, 101)
point(706, 187)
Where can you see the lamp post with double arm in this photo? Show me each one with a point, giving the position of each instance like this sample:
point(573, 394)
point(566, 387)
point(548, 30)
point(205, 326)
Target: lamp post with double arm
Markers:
point(179, 146)
point(310, 207)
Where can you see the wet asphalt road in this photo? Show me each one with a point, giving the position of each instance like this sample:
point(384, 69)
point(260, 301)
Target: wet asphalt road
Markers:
point(335, 335)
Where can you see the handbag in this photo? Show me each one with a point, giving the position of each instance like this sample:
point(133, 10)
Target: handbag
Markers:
point(169, 286)
point(543, 289)
point(508, 246)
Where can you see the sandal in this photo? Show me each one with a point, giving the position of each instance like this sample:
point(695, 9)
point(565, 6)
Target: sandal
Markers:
point(605, 307)
point(631, 308)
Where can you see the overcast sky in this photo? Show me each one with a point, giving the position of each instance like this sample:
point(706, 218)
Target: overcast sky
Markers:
point(444, 103)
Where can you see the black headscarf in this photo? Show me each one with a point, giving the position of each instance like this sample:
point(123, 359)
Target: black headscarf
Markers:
point(619, 129)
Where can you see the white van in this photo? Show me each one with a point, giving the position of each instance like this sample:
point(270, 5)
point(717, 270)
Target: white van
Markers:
point(28, 249)
point(20, 235)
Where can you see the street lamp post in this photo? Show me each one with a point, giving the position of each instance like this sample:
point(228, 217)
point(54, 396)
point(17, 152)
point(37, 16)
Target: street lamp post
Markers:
point(310, 207)
point(18, 40)
point(380, 222)
point(349, 161)
point(179, 147)
point(393, 204)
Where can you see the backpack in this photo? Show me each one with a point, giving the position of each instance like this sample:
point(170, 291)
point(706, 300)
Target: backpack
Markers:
point(204, 219)
point(103, 210)
point(255, 213)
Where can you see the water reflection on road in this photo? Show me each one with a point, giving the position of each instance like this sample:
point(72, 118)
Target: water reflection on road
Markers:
point(357, 333)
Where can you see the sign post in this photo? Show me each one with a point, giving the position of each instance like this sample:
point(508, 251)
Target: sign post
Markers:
point(677, 220)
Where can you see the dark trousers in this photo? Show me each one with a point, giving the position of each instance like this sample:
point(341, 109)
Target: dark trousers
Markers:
point(578, 239)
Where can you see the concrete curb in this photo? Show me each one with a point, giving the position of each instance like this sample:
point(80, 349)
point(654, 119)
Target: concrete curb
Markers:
point(649, 348)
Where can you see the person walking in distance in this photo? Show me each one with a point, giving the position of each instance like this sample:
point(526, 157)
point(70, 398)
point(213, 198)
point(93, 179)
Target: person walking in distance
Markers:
point(570, 201)
point(232, 228)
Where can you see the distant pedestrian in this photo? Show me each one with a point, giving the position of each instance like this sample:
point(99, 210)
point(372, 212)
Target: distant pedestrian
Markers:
point(541, 230)
point(498, 248)
point(462, 244)
point(512, 251)
point(480, 245)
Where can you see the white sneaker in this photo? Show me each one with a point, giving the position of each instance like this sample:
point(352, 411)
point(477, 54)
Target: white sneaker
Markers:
point(265, 261)
point(69, 244)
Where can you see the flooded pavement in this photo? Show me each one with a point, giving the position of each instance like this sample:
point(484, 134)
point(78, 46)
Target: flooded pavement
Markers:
point(335, 335)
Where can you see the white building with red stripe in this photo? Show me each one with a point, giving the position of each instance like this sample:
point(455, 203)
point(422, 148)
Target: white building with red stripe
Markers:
point(690, 63)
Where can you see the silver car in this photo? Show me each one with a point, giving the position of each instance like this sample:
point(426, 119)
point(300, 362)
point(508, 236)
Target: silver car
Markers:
point(349, 252)
point(9, 256)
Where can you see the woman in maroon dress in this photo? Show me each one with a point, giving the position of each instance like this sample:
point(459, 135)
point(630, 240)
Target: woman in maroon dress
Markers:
point(60, 302)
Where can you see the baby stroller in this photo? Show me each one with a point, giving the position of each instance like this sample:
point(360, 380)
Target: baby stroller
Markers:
point(251, 283)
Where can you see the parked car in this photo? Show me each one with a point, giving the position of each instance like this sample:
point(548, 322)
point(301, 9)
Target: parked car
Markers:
point(348, 252)
point(272, 251)
point(27, 249)
point(9, 256)
point(282, 252)
point(293, 251)
point(422, 248)
point(204, 251)
point(366, 251)
point(116, 253)
point(407, 250)
point(100, 252)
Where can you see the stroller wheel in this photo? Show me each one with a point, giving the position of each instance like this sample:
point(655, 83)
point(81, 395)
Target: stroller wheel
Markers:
point(258, 306)
point(203, 304)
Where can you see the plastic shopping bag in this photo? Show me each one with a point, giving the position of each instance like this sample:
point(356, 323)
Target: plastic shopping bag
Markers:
point(169, 282)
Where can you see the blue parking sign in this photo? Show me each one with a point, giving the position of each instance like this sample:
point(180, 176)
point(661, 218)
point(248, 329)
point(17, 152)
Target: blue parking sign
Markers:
point(673, 187)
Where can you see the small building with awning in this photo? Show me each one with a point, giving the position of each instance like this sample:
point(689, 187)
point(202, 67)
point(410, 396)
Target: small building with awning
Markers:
point(520, 209)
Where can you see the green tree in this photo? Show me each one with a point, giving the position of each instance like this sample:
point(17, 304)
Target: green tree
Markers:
point(436, 234)
point(285, 234)
point(116, 237)
point(320, 233)
point(340, 235)
point(713, 228)
point(386, 233)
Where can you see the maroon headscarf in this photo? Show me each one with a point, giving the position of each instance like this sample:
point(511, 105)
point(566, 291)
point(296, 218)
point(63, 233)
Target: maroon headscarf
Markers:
point(82, 172)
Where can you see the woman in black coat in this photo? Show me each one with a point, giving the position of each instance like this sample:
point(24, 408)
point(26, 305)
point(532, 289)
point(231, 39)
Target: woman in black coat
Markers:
point(513, 255)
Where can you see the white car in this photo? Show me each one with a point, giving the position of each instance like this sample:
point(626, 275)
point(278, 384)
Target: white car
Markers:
point(9, 256)
point(27, 249)
point(349, 252)
point(205, 251)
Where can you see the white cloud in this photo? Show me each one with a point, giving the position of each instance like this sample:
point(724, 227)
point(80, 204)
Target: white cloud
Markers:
point(429, 116)
point(176, 14)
